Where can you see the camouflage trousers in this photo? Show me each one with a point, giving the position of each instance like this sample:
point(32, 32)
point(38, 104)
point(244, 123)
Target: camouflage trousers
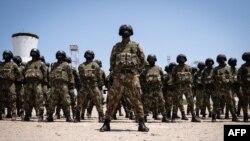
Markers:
point(245, 99)
point(153, 100)
point(91, 102)
point(86, 94)
point(199, 99)
point(131, 84)
point(19, 98)
point(8, 97)
point(33, 97)
point(226, 94)
point(169, 101)
point(187, 91)
point(208, 91)
point(59, 95)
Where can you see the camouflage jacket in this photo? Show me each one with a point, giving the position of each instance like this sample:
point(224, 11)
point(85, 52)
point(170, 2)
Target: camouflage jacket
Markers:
point(9, 71)
point(244, 75)
point(35, 70)
point(128, 57)
point(182, 74)
point(90, 73)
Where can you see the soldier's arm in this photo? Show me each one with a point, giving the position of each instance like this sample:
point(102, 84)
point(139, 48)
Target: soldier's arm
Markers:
point(141, 56)
point(45, 73)
point(18, 76)
point(112, 58)
point(70, 76)
point(98, 75)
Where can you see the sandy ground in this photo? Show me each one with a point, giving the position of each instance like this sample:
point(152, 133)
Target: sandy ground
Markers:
point(122, 129)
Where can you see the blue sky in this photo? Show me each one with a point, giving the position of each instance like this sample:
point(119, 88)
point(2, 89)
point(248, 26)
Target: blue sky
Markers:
point(197, 28)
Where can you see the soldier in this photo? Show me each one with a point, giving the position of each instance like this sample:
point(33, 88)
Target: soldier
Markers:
point(127, 61)
point(76, 86)
point(182, 76)
point(101, 84)
point(35, 78)
point(199, 87)
point(232, 62)
point(61, 82)
point(223, 81)
point(152, 77)
point(244, 80)
point(19, 87)
point(90, 76)
point(9, 75)
point(209, 89)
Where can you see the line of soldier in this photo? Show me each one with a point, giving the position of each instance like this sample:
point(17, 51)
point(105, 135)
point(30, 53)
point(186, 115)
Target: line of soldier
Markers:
point(33, 85)
point(164, 94)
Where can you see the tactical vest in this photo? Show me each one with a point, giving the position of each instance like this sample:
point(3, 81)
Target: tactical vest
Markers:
point(169, 82)
point(127, 56)
point(234, 75)
point(198, 78)
point(208, 76)
point(33, 71)
point(88, 72)
point(6, 71)
point(59, 73)
point(223, 75)
point(245, 75)
point(184, 76)
point(153, 76)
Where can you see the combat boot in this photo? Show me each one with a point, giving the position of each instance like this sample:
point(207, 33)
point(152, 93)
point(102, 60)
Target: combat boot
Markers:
point(101, 116)
point(13, 118)
point(131, 116)
point(1, 116)
point(213, 118)
point(235, 119)
point(8, 115)
point(197, 113)
point(83, 113)
point(183, 116)
point(68, 117)
point(40, 118)
point(89, 114)
point(105, 126)
point(165, 119)
point(195, 118)
point(210, 114)
point(114, 117)
point(218, 115)
point(126, 115)
point(50, 118)
point(120, 112)
point(26, 117)
point(245, 117)
point(227, 115)
point(145, 118)
point(142, 127)
point(169, 115)
point(77, 118)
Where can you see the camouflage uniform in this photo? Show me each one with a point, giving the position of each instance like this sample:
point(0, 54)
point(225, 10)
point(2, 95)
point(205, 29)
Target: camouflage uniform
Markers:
point(223, 81)
point(9, 74)
point(20, 93)
point(182, 76)
point(244, 80)
point(35, 73)
point(90, 78)
point(152, 97)
point(61, 82)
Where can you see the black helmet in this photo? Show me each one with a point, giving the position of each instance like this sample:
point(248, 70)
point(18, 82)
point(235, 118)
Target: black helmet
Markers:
point(17, 59)
point(99, 62)
point(8, 52)
point(209, 61)
point(42, 58)
point(221, 56)
point(126, 30)
point(60, 52)
point(194, 69)
point(68, 59)
point(151, 56)
point(201, 65)
point(36, 51)
point(245, 55)
point(232, 61)
point(179, 56)
point(89, 52)
point(171, 66)
point(166, 69)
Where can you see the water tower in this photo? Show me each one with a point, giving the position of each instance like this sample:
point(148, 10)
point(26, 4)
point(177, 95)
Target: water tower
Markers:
point(23, 43)
point(74, 51)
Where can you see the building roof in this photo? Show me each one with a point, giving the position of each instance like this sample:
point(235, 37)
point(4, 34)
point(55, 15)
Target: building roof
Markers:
point(25, 34)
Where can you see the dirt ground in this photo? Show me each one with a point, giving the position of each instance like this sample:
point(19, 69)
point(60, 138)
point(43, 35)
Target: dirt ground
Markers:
point(122, 129)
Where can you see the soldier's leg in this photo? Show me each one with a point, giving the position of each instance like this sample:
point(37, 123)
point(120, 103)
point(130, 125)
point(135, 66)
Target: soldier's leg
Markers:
point(97, 101)
point(162, 107)
point(199, 100)
point(39, 101)
point(190, 100)
point(12, 100)
point(245, 102)
point(65, 98)
point(229, 101)
point(216, 104)
point(73, 104)
point(90, 108)
point(28, 101)
point(80, 99)
point(1, 104)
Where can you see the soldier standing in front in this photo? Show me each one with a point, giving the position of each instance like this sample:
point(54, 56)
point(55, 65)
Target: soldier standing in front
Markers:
point(127, 61)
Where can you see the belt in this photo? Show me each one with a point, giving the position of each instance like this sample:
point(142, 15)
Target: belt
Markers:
point(126, 71)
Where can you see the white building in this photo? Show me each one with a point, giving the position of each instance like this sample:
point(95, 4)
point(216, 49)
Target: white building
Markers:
point(23, 43)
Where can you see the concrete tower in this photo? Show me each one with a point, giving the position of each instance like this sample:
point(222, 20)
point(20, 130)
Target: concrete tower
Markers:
point(23, 43)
